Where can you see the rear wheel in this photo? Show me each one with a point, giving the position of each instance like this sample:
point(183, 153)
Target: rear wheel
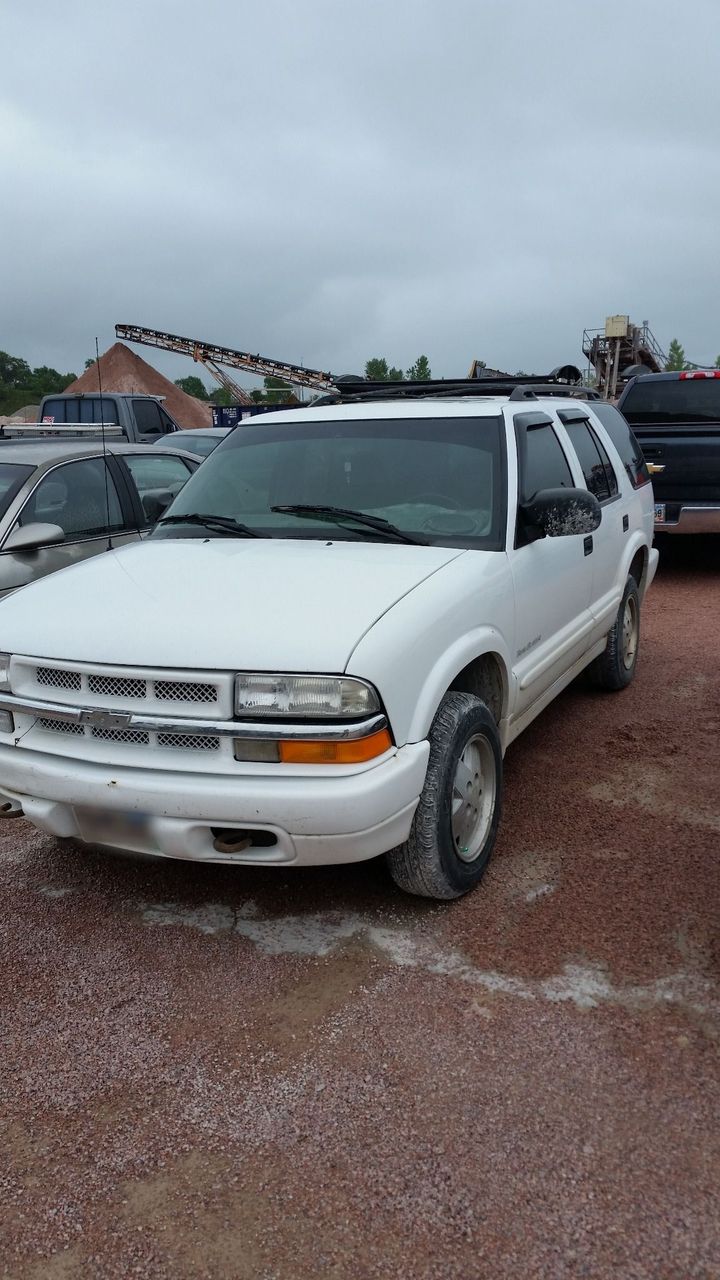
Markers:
point(456, 821)
point(615, 667)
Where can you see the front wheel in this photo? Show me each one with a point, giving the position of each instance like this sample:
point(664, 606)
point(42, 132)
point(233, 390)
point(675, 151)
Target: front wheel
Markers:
point(615, 667)
point(456, 821)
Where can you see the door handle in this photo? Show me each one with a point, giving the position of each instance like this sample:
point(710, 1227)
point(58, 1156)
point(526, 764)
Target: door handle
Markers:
point(588, 545)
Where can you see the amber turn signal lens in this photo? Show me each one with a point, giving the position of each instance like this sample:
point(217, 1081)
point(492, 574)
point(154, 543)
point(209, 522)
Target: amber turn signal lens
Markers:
point(355, 752)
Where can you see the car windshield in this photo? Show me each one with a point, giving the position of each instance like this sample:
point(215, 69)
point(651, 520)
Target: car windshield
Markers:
point(200, 442)
point(673, 400)
point(12, 477)
point(438, 480)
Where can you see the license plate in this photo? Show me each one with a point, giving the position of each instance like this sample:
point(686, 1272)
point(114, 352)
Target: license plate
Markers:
point(120, 830)
point(660, 513)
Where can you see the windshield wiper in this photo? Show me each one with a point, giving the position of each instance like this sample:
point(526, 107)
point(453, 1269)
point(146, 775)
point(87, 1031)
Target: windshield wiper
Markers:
point(224, 523)
point(341, 515)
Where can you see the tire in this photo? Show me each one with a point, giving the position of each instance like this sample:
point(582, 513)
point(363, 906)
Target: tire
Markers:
point(441, 860)
point(615, 667)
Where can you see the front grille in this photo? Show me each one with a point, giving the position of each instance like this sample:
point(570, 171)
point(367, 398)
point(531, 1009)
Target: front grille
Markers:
point(188, 741)
point(117, 686)
point(140, 691)
point(62, 726)
point(53, 679)
point(135, 737)
point(185, 691)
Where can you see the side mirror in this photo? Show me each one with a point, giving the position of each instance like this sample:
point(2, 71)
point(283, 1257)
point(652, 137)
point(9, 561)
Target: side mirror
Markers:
point(30, 537)
point(559, 513)
point(155, 503)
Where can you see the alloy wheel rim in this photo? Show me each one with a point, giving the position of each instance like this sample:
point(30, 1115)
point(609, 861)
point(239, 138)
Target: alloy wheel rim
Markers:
point(474, 793)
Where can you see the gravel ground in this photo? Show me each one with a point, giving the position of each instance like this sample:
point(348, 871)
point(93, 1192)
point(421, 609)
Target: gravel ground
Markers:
point(278, 1076)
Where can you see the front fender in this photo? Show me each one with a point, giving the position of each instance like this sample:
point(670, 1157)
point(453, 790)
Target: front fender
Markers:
point(414, 652)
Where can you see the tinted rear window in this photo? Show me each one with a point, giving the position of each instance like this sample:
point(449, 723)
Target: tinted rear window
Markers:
point(678, 400)
point(624, 441)
point(80, 409)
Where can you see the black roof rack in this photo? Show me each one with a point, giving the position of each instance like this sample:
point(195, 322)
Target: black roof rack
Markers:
point(518, 387)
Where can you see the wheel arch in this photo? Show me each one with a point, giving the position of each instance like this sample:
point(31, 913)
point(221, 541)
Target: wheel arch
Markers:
point(484, 671)
point(638, 567)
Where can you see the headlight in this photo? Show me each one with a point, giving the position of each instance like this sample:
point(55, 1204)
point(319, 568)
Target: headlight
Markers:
point(281, 697)
point(4, 672)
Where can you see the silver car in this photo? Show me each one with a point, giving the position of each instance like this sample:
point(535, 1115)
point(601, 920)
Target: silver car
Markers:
point(62, 501)
point(200, 442)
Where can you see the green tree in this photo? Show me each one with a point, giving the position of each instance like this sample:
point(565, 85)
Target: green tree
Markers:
point(717, 362)
point(89, 363)
point(275, 391)
point(221, 395)
point(420, 370)
point(45, 381)
point(376, 370)
point(14, 372)
point(193, 386)
point(676, 356)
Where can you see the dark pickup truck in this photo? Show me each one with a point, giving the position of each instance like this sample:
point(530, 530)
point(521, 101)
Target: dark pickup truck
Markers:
point(676, 419)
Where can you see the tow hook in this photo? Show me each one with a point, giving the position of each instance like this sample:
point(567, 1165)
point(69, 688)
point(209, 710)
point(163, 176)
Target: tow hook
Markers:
point(11, 809)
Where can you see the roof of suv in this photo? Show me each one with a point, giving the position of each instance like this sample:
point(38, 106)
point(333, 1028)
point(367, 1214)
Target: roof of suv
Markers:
point(429, 407)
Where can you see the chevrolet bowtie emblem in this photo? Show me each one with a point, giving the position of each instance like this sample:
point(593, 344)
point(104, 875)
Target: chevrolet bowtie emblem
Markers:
point(105, 719)
point(654, 468)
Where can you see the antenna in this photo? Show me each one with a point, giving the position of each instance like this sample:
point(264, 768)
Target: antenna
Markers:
point(105, 465)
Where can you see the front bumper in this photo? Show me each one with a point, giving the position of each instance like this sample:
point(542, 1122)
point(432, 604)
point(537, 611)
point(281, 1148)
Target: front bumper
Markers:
point(310, 816)
point(689, 519)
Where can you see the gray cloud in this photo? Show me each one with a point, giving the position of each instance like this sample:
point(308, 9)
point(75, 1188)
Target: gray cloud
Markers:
point(340, 179)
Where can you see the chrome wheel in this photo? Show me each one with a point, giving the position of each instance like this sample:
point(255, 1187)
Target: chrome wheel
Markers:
point(473, 798)
point(630, 632)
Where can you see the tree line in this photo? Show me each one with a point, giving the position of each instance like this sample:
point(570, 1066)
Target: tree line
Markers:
point(21, 385)
point(275, 391)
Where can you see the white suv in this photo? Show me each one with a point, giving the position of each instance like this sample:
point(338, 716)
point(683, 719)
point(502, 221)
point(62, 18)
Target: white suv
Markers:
point(325, 647)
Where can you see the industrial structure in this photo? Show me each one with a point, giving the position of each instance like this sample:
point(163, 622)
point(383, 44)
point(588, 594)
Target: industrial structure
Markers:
point(619, 352)
point(214, 358)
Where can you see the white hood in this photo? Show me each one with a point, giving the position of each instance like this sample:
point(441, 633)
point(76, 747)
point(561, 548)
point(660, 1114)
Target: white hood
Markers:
point(219, 604)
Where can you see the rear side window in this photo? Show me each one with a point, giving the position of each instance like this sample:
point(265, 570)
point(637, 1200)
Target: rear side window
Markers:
point(625, 443)
point(596, 466)
point(156, 474)
point(543, 463)
point(147, 417)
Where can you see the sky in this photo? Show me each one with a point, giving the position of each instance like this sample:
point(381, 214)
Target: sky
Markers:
point(339, 179)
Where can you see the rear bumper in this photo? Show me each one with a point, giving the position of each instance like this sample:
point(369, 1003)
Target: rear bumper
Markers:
point(318, 816)
point(690, 519)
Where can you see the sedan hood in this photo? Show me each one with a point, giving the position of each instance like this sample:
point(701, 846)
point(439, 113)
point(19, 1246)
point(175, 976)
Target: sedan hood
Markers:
point(217, 603)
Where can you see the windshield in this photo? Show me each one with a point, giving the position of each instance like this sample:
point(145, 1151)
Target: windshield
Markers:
point(438, 480)
point(674, 400)
point(202, 442)
point(12, 477)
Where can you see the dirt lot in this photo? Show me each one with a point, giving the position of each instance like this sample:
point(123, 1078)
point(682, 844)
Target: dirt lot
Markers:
point(279, 1076)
